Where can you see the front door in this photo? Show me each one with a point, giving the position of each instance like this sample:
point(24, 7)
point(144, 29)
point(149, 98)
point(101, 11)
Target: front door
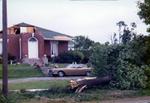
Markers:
point(33, 48)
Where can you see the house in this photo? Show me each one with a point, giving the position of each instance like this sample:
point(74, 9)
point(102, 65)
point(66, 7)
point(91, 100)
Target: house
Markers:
point(33, 42)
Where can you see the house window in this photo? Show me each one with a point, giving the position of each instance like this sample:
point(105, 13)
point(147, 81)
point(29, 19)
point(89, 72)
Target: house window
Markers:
point(32, 39)
point(54, 48)
point(70, 45)
point(23, 29)
point(17, 30)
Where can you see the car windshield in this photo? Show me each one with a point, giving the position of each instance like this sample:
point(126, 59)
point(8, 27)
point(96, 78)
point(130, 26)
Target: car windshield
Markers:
point(75, 66)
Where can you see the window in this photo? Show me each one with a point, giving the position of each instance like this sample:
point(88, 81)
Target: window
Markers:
point(32, 39)
point(23, 29)
point(54, 48)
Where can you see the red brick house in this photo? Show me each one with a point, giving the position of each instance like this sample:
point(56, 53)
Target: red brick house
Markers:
point(32, 42)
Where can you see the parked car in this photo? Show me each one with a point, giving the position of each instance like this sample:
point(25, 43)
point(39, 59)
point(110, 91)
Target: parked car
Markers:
point(72, 69)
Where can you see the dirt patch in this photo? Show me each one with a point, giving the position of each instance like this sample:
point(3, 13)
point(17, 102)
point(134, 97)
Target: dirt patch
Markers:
point(125, 100)
point(47, 100)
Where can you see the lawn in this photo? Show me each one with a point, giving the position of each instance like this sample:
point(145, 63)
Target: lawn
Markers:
point(38, 85)
point(58, 92)
point(21, 71)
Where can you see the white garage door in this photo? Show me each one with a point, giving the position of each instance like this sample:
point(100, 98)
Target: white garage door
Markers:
point(33, 48)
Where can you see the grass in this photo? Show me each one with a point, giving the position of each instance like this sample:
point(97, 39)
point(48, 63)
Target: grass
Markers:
point(66, 96)
point(59, 91)
point(38, 84)
point(21, 71)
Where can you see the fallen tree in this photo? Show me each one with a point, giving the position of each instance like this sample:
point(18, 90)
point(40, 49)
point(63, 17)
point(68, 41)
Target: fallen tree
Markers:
point(80, 84)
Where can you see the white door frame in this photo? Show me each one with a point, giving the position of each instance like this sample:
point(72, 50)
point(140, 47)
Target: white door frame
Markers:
point(33, 50)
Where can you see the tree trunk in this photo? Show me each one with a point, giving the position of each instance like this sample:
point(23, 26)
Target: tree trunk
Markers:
point(80, 84)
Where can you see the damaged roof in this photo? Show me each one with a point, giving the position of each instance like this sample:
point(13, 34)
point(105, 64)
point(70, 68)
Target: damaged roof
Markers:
point(47, 34)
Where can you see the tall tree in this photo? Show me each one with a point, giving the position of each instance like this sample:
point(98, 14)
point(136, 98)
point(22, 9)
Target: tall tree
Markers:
point(144, 12)
point(126, 33)
point(82, 43)
point(121, 24)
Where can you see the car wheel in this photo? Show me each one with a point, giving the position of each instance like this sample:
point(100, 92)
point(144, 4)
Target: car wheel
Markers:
point(88, 73)
point(61, 74)
point(50, 74)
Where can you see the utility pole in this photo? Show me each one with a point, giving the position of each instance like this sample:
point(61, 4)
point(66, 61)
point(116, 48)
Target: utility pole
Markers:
point(5, 54)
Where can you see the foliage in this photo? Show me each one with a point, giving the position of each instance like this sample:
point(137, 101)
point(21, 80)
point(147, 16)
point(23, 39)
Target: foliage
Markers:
point(123, 62)
point(2, 98)
point(147, 72)
point(125, 33)
point(129, 76)
point(69, 57)
point(144, 12)
point(126, 37)
point(83, 44)
point(99, 60)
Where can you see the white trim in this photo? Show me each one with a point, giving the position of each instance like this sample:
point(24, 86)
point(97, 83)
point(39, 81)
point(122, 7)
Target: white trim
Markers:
point(32, 34)
point(55, 39)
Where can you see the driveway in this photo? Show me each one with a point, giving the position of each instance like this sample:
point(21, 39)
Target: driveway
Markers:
point(21, 80)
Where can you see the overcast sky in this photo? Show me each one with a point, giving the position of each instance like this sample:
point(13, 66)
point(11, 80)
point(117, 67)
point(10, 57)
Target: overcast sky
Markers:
point(93, 18)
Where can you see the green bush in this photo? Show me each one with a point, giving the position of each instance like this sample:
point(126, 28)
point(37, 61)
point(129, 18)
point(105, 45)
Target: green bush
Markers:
point(116, 61)
point(129, 76)
point(99, 60)
point(147, 72)
point(3, 99)
point(69, 57)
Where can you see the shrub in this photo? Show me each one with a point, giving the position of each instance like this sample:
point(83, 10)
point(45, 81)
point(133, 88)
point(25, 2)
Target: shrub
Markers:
point(129, 76)
point(99, 60)
point(114, 60)
point(11, 58)
point(69, 57)
point(147, 72)
point(2, 98)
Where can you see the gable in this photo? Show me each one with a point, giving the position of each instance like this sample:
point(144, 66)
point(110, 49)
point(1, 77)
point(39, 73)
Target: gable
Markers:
point(47, 34)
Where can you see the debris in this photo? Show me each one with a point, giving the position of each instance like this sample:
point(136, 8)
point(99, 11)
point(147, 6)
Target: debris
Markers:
point(81, 84)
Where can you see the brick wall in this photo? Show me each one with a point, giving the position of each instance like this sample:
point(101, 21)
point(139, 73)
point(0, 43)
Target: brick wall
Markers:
point(62, 46)
point(24, 44)
point(13, 45)
point(47, 48)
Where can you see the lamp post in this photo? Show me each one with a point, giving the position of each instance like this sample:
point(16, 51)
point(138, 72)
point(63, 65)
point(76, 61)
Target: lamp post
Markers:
point(5, 54)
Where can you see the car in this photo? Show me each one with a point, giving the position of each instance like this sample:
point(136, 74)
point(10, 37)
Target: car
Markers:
point(72, 69)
